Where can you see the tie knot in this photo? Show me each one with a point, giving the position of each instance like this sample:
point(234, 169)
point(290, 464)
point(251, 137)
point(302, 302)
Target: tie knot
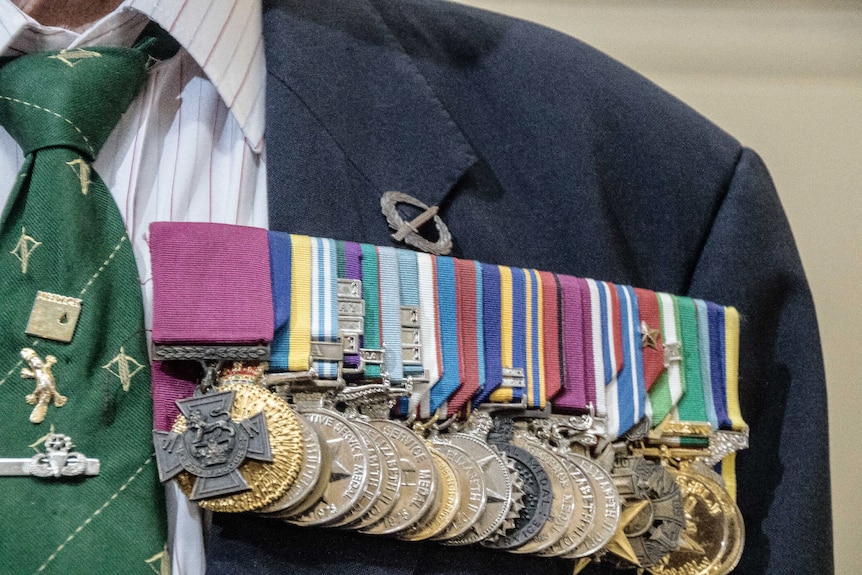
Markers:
point(71, 98)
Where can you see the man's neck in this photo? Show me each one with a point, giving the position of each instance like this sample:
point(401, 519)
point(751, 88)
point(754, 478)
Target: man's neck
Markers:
point(74, 15)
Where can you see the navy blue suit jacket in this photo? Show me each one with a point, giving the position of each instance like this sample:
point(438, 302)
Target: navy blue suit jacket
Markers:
point(543, 153)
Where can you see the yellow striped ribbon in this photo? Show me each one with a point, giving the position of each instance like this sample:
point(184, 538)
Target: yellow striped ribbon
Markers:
point(299, 356)
point(528, 313)
point(731, 347)
point(540, 316)
point(504, 394)
point(728, 473)
point(501, 395)
point(506, 315)
point(731, 339)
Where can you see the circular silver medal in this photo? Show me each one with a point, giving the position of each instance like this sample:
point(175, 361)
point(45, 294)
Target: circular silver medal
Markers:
point(499, 487)
point(471, 484)
point(418, 479)
point(390, 484)
point(564, 502)
point(584, 519)
point(538, 494)
point(607, 508)
point(373, 486)
point(309, 475)
point(445, 506)
point(349, 468)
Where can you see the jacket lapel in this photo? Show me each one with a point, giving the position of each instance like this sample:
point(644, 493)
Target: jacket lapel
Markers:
point(349, 116)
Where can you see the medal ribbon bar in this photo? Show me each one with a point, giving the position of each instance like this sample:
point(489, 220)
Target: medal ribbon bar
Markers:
point(578, 378)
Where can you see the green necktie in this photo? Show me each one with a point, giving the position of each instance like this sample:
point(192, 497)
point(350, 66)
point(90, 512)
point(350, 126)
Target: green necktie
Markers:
point(62, 235)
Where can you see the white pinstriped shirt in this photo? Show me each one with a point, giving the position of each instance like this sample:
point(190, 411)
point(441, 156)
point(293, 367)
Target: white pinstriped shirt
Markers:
point(189, 148)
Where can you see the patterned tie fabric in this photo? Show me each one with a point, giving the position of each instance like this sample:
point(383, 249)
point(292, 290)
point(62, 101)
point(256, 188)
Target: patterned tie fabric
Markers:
point(64, 252)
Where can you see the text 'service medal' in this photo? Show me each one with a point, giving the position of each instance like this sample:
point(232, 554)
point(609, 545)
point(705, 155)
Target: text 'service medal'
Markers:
point(390, 485)
point(348, 474)
point(419, 479)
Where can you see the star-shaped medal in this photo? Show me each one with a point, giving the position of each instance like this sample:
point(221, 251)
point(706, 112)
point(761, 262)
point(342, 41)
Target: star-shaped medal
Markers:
point(649, 337)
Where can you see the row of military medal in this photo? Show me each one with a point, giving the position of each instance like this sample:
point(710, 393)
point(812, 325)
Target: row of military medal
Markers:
point(500, 479)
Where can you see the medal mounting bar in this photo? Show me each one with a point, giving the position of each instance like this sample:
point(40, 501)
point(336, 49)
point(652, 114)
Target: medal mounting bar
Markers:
point(211, 357)
point(563, 431)
point(292, 382)
point(722, 443)
point(373, 400)
point(327, 351)
point(192, 352)
point(371, 356)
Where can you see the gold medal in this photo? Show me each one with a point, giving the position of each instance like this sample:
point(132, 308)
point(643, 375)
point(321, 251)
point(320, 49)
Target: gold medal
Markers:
point(209, 442)
point(711, 543)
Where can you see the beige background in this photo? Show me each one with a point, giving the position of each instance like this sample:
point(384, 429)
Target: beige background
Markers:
point(786, 79)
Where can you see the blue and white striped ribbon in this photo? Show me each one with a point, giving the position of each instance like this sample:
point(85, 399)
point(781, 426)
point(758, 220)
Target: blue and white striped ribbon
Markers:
point(632, 387)
point(324, 300)
point(597, 336)
point(409, 284)
point(447, 308)
point(390, 313)
point(705, 368)
point(432, 362)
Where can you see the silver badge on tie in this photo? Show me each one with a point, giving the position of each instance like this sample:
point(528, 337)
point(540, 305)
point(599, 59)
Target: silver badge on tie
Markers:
point(58, 460)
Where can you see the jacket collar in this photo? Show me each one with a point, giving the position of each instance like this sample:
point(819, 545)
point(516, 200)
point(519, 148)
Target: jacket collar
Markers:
point(345, 65)
point(225, 43)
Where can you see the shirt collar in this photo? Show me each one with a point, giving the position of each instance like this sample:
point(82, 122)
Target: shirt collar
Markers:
point(224, 38)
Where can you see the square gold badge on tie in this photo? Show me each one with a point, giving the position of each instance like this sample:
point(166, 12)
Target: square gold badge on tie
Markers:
point(54, 317)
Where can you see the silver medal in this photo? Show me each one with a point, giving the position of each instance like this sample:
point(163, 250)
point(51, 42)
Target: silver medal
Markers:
point(418, 479)
point(348, 472)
